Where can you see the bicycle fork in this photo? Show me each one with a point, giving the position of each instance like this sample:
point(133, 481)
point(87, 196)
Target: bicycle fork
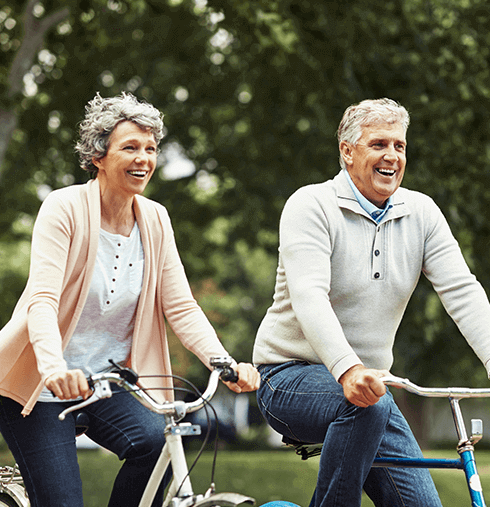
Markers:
point(172, 452)
point(466, 451)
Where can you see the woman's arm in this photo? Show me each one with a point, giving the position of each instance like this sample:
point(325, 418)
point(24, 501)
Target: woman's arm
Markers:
point(49, 252)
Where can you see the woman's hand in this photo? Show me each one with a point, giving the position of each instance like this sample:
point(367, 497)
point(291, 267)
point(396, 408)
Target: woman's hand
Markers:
point(248, 379)
point(68, 385)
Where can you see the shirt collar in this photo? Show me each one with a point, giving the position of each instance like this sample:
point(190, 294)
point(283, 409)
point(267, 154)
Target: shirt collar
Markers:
point(374, 212)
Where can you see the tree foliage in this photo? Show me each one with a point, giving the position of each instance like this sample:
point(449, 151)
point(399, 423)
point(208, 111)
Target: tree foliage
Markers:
point(253, 92)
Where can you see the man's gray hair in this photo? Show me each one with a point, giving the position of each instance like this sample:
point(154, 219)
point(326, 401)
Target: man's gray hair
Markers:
point(102, 115)
point(369, 112)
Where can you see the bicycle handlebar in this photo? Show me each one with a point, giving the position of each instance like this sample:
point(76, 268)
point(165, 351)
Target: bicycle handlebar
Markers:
point(128, 379)
point(435, 392)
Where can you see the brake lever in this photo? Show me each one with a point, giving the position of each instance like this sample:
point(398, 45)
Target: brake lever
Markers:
point(102, 389)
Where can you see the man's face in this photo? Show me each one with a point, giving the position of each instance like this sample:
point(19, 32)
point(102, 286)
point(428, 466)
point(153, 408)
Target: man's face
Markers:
point(377, 163)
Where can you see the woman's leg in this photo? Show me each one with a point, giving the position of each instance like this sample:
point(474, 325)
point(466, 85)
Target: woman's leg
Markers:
point(305, 402)
point(45, 451)
point(136, 435)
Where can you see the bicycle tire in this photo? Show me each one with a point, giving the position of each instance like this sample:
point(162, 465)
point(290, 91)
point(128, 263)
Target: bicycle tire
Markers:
point(8, 501)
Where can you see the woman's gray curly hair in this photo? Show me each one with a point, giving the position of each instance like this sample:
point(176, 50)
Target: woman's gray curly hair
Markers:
point(369, 112)
point(102, 115)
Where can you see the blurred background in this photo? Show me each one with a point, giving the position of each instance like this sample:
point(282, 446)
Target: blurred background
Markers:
point(253, 92)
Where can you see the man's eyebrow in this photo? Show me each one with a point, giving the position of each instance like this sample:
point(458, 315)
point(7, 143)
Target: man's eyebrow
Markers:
point(386, 139)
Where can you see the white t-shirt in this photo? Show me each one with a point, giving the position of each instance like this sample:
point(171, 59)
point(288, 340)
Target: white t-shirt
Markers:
point(105, 328)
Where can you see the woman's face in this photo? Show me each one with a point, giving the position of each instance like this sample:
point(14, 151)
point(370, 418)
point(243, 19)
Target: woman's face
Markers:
point(130, 161)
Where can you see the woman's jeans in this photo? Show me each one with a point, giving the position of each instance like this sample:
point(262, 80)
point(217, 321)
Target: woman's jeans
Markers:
point(45, 448)
point(304, 402)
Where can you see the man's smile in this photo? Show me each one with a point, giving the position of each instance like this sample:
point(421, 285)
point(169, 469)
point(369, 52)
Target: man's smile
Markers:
point(385, 172)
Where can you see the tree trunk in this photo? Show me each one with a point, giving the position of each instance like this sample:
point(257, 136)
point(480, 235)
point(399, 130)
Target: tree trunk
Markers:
point(33, 38)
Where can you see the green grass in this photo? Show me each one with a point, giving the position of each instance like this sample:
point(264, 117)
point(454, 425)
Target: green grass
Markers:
point(264, 475)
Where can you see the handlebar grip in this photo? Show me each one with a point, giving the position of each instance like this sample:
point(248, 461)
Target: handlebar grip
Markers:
point(229, 374)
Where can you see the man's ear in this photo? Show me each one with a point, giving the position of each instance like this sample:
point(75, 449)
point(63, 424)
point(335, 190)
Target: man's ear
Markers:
point(346, 150)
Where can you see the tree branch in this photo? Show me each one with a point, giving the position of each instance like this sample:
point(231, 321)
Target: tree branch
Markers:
point(34, 33)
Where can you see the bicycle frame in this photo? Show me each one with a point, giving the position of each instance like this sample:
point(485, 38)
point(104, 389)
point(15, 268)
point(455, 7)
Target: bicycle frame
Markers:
point(465, 447)
point(466, 444)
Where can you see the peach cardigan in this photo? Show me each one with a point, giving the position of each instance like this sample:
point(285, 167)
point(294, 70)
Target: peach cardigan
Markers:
point(63, 253)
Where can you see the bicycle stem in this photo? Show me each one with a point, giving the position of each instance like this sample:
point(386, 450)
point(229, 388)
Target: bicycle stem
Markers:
point(459, 424)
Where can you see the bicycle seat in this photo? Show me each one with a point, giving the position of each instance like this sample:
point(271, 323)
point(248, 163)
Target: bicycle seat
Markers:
point(304, 449)
point(291, 441)
point(82, 423)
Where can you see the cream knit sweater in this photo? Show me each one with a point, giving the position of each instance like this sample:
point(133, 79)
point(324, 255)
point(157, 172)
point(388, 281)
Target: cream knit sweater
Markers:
point(343, 282)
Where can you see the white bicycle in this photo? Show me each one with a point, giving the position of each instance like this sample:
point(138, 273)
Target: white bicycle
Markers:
point(180, 492)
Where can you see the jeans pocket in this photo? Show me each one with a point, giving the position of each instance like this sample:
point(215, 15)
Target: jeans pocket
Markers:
point(267, 371)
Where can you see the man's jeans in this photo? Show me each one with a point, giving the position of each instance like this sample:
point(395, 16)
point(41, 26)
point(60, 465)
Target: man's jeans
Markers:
point(304, 402)
point(45, 448)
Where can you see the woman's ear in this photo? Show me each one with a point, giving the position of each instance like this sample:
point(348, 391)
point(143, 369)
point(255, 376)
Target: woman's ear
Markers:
point(96, 162)
point(346, 152)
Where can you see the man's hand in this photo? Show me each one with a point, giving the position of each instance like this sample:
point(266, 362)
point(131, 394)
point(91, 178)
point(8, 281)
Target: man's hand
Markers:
point(248, 379)
point(362, 386)
point(68, 385)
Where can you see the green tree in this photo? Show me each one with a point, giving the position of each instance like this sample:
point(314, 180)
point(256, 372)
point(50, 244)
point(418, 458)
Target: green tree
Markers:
point(252, 93)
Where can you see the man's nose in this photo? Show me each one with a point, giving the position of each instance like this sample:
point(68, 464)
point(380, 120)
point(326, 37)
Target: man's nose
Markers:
point(391, 153)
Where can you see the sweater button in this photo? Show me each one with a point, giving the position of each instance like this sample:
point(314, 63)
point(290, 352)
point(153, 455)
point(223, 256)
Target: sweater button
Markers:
point(376, 275)
point(376, 252)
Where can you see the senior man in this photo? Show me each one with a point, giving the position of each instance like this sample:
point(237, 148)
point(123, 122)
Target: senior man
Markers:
point(351, 253)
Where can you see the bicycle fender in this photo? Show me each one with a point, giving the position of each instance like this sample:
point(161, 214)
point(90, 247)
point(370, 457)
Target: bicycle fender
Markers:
point(225, 500)
point(17, 493)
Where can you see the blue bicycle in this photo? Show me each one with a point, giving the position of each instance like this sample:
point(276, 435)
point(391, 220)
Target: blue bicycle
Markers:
point(465, 447)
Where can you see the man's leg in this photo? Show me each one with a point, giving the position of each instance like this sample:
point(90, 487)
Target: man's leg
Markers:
point(388, 487)
point(305, 402)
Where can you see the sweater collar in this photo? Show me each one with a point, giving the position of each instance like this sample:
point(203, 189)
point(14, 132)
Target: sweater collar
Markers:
point(347, 199)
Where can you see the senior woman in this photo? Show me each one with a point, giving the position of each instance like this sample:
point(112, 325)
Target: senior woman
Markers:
point(104, 275)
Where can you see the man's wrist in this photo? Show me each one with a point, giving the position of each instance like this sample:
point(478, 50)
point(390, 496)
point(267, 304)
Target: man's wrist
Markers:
point(348, 372)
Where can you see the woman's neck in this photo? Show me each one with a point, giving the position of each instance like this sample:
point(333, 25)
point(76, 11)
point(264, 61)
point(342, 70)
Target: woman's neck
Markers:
point(117, 215)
